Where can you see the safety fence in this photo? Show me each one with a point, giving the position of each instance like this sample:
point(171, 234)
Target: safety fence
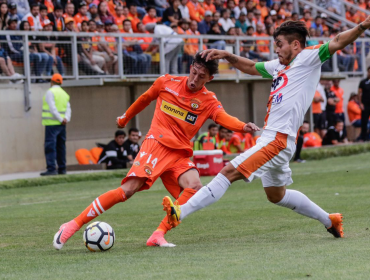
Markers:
point(35, 56)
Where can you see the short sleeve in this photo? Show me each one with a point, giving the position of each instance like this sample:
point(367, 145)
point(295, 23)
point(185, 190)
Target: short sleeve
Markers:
point(316, 55)
point(266, 69)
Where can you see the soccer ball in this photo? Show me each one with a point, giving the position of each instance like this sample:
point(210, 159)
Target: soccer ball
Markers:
point(98, 236)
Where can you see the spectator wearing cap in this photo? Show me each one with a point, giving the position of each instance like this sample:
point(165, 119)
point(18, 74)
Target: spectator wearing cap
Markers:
point(70, 24)
point(81, 15)
point(56, 113)
point(57, 18)
point(172, 14)
point(225, 21)
point(47, 47)
point(323, 22)
point(185, 14)
point(133, 17)
point(150, 17)
point(120, 17)
point(195, 10)
point(114, 153)
point(103, 12)
point(13, 12)
point(209, 6)
point(205, 25)
point(69, 10)
point(172, 45)
point(93, 12)
point(22, 6)
point(242, 22)
point(33, 17)
point(274, 17)
point(43, 14)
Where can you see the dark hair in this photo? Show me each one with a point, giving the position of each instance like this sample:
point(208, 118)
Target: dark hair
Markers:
point(58, 7)
point(133, 129)
point(137, 25)
point(34, 5)
point(250, 27)
point(368, 68)
point(119, 132)
point(43, 7)
point(21, 26)
point(221, 127)
point(149, 8)
point(126, 20)
point(338, 121)
point(294, 14)
point(91, 20)
point(212, 125)
point(306, 122)
point(293, 30)
point(210, 65)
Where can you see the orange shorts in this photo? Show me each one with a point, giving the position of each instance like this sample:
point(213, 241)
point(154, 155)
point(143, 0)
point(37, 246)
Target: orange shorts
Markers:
point(156, 160)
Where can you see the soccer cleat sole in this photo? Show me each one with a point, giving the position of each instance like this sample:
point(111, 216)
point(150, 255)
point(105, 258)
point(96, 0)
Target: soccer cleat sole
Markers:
point(167, 206)
point(337, 225)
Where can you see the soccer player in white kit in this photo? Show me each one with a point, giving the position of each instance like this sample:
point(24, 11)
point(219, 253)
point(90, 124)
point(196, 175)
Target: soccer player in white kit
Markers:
point(295, 75)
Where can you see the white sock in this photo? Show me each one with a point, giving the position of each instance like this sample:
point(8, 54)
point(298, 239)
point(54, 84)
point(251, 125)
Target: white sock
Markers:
point(301, 204)
point(207, 195)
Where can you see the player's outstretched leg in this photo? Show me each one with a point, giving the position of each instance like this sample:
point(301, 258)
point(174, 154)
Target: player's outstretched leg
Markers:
point(95, 209)
point(157, 238)
point(301, 204)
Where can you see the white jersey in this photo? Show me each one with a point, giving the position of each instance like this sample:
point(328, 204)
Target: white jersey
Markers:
point(293, 88)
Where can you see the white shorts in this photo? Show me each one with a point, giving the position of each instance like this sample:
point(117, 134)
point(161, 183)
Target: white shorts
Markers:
point(268, 160)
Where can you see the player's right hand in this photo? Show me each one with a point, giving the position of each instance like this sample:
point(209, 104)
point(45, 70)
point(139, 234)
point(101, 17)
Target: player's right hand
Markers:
point(251, 127)
point(214, 54)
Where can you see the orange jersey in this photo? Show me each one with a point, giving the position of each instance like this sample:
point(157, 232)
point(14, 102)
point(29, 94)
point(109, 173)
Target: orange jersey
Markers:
point(311, 139)
point(339, 93)
point(119, 22)
point(192, 44)
point(80, 18)
point(210, 7)
point(179, 113)
point(262, 45)
point(354, 111)
point(147, 19)
point(196, 11)
point(316, 106)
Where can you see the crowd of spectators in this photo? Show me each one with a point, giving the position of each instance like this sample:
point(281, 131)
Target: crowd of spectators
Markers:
point(98, 55)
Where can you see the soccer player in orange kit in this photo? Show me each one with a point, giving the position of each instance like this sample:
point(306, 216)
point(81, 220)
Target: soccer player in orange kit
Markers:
point(183, 105)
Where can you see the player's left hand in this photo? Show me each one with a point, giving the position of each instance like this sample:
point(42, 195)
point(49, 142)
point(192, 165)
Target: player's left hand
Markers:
point(251, 127)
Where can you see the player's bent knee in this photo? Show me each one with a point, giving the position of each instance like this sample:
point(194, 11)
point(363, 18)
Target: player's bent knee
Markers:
point(131, 186)
point(231, 173)
point(195, 185)
point(275, 194)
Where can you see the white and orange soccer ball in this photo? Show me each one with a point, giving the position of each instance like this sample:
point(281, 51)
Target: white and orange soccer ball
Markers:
point(99, 236)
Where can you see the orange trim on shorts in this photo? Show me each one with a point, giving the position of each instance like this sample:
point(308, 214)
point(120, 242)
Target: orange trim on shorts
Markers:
point(265, 154)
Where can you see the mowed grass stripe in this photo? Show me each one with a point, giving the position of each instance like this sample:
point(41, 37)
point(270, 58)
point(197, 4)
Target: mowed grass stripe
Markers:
point(241, 237)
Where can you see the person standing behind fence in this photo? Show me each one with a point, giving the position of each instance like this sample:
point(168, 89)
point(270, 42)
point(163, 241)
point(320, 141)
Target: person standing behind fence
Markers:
point(364, 98)
point(56, 113)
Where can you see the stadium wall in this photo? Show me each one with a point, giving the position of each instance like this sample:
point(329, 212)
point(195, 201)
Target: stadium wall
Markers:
point(94, 110)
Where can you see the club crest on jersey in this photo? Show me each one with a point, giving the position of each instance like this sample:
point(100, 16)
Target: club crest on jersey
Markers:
point(148, 170)
point(178, 112)
point(279, 83)
point(194, 104)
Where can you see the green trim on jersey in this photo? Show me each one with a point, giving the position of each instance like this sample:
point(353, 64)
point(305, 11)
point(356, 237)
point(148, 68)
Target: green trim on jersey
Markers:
point(324, 53)
point(260, 67)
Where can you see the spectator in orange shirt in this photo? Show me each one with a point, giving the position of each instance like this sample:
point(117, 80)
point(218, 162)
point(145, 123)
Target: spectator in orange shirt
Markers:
point(307, 19)
point(354, 112)
point(354, 16)
point(310, 139)
point(133, 17)
point(81, 15)
point(195, 10)
point(119, 18)
point(191, 45)
point(113, 4)
point(262, 45)
point(43, 15)
point(317, 111)
point(151, 16)
point(148, 40)
point(338, 91)
point(208, 6)
point(50, 6)
point(263, 8)
point(69, 10)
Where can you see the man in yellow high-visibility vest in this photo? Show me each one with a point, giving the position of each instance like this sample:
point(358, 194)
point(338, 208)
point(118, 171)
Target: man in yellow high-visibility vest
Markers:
point(56, 112)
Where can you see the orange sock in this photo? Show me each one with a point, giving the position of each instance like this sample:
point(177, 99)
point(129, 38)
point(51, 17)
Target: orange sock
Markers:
point(185, 196)
point(100, 205)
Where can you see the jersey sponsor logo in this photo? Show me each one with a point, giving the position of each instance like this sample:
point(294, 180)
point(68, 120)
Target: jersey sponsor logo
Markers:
point(178, 112)
point(171, 91)
point(148, 170)
point(279, 83)
point(277, 99)
point(174, 80)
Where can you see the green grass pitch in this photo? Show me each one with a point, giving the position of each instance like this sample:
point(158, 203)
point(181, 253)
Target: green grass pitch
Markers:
point(241, 237)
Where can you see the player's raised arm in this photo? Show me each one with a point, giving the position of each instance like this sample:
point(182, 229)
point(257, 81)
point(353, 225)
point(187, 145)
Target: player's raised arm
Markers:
point(234, 123)
point(241, 63)
point(347, 37)
point(141, 103)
